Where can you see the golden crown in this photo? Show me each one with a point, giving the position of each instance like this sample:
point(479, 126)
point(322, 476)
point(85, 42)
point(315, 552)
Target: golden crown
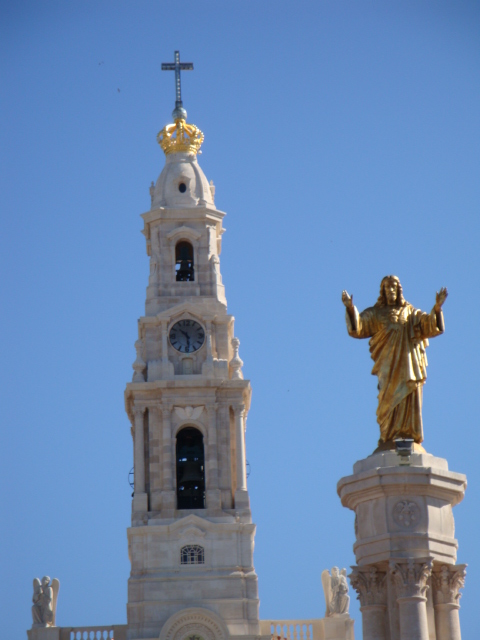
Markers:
point(178, 137)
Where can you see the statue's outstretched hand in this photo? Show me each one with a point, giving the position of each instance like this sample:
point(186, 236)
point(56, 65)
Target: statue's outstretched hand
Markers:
point(440, 299)
point(347, 300)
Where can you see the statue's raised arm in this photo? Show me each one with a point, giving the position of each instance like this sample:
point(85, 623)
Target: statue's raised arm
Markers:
point(399, 335)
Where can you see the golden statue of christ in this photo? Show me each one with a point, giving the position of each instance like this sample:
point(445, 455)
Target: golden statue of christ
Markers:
point(399, 336)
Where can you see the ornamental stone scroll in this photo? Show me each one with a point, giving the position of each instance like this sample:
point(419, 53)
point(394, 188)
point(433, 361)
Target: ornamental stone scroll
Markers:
point(447, 582)
point(411, 578)
point(370, 585)
point(406, 513)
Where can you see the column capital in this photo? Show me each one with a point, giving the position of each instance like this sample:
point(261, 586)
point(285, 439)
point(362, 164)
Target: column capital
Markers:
point(370, 585)
point(447, 580)
point(167, 406)
point(238, 409)
point(411, 577)
point(138, 410)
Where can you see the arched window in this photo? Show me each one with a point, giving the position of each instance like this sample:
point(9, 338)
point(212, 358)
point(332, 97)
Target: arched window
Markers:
point(184, 262)
point(190, 469)
point(192, 554)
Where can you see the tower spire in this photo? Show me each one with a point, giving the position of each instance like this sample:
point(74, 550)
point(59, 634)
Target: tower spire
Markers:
point(179, 113)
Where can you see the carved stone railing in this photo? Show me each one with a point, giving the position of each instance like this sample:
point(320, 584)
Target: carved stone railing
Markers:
point(111, 632)
point(293, 629)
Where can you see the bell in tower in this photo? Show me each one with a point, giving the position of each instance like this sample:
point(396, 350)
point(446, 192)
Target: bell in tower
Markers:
point(184, 262)
point(190, 469)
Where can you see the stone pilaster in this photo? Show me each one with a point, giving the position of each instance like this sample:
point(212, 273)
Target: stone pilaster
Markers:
point(155, 434)
point(241, 494)
point(371, 586)
point(447, 580)
point(167, 366)
point(224, 453)
point(168, 466)
point(411, 583)
point(140, 498)
point(212, 485)
point(207, 367)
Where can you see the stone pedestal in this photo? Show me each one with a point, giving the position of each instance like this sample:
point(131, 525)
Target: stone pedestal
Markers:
point(44, 633)
point(338, 627)
point(406, 578)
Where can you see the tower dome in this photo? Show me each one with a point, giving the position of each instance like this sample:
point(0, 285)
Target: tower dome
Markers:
point(181, 183)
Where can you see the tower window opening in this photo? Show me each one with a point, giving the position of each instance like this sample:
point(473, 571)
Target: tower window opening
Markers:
point(190, 469)
point(184, 262)
point(192, 554)
point(182, 187)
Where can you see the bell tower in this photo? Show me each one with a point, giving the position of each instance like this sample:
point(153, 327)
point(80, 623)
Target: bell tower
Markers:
point(191, 539)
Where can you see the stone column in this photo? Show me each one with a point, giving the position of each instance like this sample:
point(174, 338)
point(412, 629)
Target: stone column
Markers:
point(411, 579)
point(446, 583)
point(371, 586)
point(156, 467)
point(241, 494)
point(140, 498)
point(168, 461)
point(224, 455)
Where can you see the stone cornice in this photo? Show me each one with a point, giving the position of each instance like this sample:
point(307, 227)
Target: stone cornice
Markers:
point(388, 481)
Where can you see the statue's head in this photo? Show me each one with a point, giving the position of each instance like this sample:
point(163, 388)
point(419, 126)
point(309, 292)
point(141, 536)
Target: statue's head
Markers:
point(391, 293)
point(45, 581)
point(334, 572)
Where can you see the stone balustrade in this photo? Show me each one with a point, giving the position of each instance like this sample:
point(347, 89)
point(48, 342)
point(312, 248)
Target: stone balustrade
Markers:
point(111, 632)
point(277, 629)
point(293, 629)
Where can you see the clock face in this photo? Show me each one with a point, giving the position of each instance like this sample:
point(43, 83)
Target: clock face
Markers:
point(187, 336)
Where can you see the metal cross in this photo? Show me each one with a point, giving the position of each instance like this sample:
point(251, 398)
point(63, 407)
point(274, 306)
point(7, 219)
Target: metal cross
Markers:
point(177, 66)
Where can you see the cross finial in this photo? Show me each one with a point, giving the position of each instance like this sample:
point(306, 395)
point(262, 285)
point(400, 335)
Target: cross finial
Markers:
point(177, 66)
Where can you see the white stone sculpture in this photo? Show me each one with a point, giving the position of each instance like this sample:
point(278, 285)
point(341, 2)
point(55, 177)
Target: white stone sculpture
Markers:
point(236, 363)
point(139, 365)
point(335, 587)
point(44, 600)
point(215, 262)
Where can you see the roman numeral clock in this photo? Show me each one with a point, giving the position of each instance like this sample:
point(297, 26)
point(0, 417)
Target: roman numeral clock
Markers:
point(187, 336)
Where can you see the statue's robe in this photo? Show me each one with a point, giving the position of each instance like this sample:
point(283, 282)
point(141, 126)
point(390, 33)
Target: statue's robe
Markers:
point(398, 339)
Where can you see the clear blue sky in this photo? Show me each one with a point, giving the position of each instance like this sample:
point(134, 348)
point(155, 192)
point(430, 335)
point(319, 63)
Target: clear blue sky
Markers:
point(343, 139)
